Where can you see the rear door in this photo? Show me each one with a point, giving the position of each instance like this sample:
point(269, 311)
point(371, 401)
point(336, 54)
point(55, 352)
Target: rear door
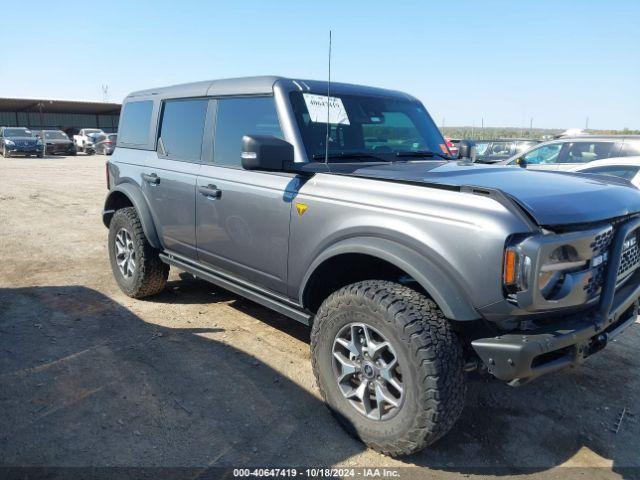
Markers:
point(242, 217)
point(169, 178)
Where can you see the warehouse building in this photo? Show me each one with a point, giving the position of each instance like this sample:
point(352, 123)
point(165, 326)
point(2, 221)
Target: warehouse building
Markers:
point(66, 115)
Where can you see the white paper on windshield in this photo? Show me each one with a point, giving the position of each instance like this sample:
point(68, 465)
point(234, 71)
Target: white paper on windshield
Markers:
point(317, 106)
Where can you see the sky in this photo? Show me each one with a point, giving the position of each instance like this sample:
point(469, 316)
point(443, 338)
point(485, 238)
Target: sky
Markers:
point(507, 62)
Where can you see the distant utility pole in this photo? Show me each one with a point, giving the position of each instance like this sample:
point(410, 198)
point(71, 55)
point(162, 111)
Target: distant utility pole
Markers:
point(531, 128)
point(482, 134)
point(105, 93)
point(443, 119)
point(586, 124)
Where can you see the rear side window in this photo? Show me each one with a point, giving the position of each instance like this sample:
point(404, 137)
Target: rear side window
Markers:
point(181, 128)
point(135, 122)
point(583, 152)
point(238, 117)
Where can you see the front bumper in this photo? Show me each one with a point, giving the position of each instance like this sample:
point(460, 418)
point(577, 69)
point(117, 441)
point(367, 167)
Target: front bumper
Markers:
point(26, 150)
point(520, 356)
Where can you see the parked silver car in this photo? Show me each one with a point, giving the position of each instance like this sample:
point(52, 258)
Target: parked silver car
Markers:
point(345, 213)
point(568, 152)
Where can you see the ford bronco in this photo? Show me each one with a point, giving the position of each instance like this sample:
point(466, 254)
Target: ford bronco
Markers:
point(343, 209)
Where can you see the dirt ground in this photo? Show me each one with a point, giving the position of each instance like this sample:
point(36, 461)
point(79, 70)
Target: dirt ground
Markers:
point(198, 377)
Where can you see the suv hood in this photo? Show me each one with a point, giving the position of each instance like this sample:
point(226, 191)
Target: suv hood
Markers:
point(550, 198)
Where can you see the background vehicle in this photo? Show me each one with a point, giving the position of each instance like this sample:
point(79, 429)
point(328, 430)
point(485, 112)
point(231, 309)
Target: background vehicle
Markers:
point(494, 151)
point(627, 168)
point(409, 268)
point(453, 148)
point(19, 141)
point(568, 152)
point(84, 140)
point(105, 143)
point(56, 142)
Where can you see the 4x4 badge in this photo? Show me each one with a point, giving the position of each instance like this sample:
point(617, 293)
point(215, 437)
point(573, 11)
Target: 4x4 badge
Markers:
point(301, 207)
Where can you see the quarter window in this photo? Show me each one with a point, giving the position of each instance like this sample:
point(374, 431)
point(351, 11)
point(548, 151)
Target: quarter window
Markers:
point(182, 127)
point(630, 149)
point(135, 122)
point(238, 117)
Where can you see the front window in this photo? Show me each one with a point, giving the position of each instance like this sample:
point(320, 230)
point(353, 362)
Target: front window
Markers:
point(55, 135)
point(544, 155)
point(365, 124)
point(17, 132)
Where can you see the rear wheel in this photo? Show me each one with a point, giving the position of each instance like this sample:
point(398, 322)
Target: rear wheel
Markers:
point(388, 365)
point(136, 265)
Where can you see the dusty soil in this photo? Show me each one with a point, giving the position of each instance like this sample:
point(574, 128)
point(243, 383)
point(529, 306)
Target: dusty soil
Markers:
point(198, 377)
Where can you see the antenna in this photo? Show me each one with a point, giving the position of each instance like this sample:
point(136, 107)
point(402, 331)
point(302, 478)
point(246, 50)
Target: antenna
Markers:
point(326, 141)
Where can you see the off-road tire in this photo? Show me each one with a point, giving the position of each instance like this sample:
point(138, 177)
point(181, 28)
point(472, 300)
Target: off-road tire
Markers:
point(150, 276)
point(430, 357)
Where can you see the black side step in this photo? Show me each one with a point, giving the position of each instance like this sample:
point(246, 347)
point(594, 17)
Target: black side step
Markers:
point(263, 298)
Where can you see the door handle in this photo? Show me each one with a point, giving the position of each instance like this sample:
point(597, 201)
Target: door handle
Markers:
point(151, 179)
point(210, 191)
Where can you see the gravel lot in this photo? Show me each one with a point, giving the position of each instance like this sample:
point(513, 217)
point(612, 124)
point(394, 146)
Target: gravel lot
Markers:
point(198, 377)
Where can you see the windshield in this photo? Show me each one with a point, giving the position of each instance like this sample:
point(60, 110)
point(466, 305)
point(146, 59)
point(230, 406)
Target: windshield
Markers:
point(89, 131)
point(17, 132)
point(378, 126)
point(55, 135)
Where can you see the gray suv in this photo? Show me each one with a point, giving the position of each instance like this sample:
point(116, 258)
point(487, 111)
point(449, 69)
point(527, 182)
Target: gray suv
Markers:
point(344, 212)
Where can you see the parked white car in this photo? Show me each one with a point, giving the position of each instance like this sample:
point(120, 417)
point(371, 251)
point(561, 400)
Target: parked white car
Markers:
point(627, 168)
point(84, 140)
point(569, 152)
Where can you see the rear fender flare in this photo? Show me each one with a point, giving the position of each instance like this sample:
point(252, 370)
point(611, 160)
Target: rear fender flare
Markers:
point(138, 201)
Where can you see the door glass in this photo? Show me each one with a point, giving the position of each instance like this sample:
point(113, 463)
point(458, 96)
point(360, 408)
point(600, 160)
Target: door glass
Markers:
point(182, 127)
point(544, 155)
point(583, 152)
point(238, 117)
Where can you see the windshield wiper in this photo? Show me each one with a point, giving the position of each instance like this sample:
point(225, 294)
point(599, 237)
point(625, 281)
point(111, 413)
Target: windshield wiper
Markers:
point(422, 153)
point(319, 156)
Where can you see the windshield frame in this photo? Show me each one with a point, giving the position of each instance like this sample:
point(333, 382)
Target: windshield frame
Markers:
point(429, 134)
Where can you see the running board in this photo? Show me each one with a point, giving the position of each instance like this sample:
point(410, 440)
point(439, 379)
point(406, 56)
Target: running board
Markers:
point(263, 299)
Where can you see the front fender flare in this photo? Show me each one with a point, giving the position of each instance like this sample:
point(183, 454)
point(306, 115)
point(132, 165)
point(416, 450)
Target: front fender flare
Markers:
point(436, 281)
point(138, 201)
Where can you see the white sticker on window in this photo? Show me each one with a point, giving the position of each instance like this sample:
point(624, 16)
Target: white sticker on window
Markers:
point(317, 106)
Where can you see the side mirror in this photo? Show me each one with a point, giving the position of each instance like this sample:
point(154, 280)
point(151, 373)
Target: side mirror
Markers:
point(521, 162)
point(467, 150)
point(264, 152)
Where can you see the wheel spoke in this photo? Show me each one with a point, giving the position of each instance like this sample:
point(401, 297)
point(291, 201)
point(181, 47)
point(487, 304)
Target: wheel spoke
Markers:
point(384, 396)
point(347, 366)
point(349, 345)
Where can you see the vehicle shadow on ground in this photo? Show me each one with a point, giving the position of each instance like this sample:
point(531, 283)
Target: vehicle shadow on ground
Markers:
point(505, 430)
point(85, 382)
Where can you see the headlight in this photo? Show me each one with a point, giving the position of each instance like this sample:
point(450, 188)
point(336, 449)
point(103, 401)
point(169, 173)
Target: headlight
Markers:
point(9, 143)
point(552, 272)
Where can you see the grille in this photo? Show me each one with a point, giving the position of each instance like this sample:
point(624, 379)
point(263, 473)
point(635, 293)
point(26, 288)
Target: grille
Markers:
point(602, 241)
point(630, 256)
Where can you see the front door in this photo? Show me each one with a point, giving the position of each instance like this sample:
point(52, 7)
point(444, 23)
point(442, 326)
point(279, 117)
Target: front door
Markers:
point(242, 217)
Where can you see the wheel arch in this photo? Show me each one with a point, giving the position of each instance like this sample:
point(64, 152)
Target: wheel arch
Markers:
point(126, 195)
point(396, 260)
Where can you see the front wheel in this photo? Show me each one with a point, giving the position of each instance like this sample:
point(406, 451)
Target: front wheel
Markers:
point(136, 265)
point(388, 365)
